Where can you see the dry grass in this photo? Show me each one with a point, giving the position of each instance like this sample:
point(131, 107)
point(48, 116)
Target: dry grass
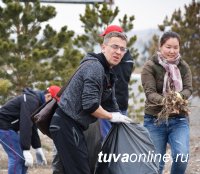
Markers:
point(173, 104)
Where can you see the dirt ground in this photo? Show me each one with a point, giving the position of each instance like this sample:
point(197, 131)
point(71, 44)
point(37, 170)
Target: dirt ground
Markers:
point(193, 166)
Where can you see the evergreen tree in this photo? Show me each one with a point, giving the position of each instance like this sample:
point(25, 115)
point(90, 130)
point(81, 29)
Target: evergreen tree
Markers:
point(96, 18)
point(5, 86)
point(150, 48)
point(32, 55)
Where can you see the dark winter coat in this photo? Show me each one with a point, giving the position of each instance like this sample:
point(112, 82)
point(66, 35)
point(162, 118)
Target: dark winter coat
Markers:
point(123, 73)
point(91, 86)
point(16, 115)
point(153, 79)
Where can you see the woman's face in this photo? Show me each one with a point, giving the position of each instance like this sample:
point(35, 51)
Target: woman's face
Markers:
point(170, 49)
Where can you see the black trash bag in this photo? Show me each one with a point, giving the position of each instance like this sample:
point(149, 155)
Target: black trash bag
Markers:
point(94, 143)
point(127, 149)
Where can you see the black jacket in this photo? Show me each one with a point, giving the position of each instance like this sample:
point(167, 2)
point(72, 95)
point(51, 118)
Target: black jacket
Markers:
point(16, 115)
point(123, 72)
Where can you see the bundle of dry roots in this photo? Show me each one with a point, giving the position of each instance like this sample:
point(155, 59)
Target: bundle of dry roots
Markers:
point(173, 104)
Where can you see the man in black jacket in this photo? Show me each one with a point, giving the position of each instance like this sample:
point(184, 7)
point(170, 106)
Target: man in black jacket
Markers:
point(123, 73)
point(18, 133)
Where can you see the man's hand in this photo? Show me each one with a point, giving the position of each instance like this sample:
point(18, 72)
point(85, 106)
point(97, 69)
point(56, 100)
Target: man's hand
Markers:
point(117, 117)
point(28, 158)
point(40, 158)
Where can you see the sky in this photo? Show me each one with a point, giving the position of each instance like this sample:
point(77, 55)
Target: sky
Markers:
point(148, 13)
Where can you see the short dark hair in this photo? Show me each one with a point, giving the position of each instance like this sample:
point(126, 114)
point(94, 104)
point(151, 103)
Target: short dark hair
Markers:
point(108, 36)
point(167, 35)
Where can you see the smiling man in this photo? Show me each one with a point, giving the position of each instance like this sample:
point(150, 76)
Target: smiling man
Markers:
point(88, 96)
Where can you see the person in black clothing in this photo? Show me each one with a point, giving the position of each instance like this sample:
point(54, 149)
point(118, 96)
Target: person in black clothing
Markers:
point(123, 73)
point(18, 133)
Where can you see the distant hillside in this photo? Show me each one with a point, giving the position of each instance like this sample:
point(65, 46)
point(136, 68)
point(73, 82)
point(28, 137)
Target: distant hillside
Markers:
point(143, 37)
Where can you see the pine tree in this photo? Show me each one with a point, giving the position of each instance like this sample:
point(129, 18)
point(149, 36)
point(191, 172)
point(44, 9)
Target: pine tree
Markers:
point(33, 54)
point(150, 48)
point(96, 18)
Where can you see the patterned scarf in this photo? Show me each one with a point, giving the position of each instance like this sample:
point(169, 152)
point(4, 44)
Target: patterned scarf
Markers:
point(172, 78)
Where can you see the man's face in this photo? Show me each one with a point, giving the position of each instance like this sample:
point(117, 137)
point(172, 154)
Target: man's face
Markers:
point(114, 50)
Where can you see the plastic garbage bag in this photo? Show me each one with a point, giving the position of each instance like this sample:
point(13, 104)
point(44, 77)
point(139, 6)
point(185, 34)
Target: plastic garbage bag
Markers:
point(127, 149)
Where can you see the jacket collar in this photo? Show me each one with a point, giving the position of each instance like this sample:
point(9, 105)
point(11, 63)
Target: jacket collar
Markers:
point(102, 59)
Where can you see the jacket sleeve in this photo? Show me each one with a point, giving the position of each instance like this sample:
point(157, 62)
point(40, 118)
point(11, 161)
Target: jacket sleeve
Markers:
point(187, 82)
point(35, 139)
point(149, 84)
point(28, 105)
point(93, 86)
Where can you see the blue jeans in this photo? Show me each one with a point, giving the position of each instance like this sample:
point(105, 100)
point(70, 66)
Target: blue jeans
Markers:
point(105, 125)
point(9, 139)
point(175, 132)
